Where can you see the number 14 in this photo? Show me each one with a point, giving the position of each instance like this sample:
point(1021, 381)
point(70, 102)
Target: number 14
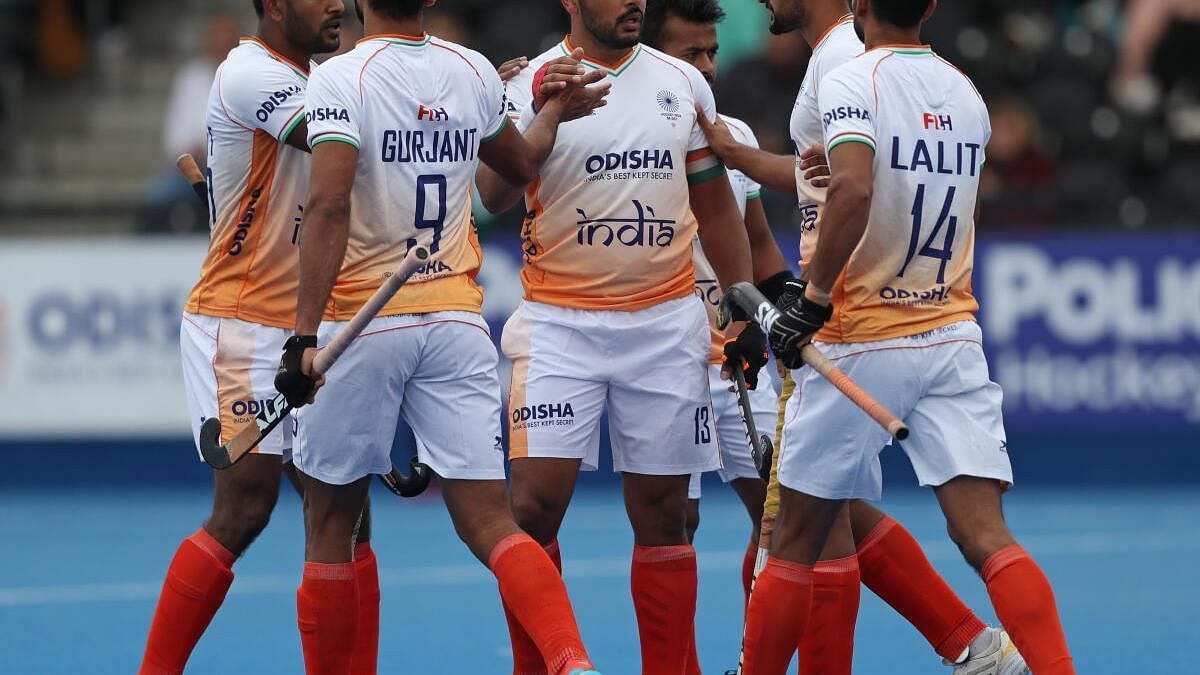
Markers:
point(927, 249)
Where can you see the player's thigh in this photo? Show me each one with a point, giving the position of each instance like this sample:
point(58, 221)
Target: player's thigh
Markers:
point(229, 371)
point(558, 386)
point(830, 447)
point(347, 432)
point(452, 399)
point(957, 427)
point(659, 401)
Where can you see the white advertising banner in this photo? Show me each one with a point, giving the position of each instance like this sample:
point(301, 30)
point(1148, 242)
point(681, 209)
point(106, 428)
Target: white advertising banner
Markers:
point(89, 336)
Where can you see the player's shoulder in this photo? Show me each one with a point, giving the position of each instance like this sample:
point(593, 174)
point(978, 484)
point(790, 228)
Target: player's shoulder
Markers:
point(250, 64)
point(953, 74)
point(457, 55)
point(670, 66)
point(840, 46)
point(740, 130)
point(857, 71)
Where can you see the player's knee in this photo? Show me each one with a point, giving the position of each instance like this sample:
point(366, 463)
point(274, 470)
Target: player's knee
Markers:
point(977, 543)
point(537, 515)
point(237, 523)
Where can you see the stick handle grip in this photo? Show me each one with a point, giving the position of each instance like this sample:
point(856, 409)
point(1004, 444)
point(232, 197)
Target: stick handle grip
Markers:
point(325, 358)
point(838, 378)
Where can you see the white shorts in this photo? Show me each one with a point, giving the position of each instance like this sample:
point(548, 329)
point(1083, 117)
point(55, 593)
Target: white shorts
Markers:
point(649, 368)
point(229, 369)
point(937, 382)
point(438, 370)
point(736, 460)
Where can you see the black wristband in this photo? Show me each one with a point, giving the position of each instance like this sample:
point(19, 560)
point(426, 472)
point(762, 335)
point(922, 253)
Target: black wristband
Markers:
point(772, 287)
point(301, 341)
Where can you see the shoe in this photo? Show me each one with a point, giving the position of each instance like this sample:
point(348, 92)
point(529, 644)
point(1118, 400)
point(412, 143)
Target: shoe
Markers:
point(1000, 657)
point(580, 671)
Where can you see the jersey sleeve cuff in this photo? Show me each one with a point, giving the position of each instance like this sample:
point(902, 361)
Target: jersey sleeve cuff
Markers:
point(331, 136)
point(757, 194)
point(297, 118)
point(850, 137)
point(706, 175)
point(503, 123)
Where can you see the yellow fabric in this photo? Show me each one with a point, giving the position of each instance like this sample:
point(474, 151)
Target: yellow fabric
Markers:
point(771, 505)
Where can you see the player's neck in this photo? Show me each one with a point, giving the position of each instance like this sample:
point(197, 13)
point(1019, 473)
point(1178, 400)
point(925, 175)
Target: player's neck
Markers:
point(272, 36)
point(592, 48)
point(374, 24)
point(823, 18)
point(882, 35)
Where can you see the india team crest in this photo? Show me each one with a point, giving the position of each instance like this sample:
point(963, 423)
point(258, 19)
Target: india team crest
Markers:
point(668, 101)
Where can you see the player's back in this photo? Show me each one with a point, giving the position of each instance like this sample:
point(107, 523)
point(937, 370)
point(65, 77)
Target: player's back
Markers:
point(417, 109)
point(257, 185)
point(928, 126)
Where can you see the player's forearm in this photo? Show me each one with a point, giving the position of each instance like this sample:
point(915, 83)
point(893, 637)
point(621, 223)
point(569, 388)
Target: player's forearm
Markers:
point(723, 237)
point(323, 237)
point(501, 180)
point(777, 172)
point(845, 221)
point(765, 256)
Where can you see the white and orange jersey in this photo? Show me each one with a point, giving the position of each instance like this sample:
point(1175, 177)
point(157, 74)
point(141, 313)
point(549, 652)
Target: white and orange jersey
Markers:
point(837, 46)
point(608, 224)
point(257, 185)
point(417, 109)
point(745, 190)
point(928, 128)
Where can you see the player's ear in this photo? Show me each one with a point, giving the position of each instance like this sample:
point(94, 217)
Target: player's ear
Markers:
point(274, 9)
point(572, 6)
point(929, 10)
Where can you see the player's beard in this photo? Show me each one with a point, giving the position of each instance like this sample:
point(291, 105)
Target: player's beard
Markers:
point(608, 34)
point(312, 41)
point(794, 17)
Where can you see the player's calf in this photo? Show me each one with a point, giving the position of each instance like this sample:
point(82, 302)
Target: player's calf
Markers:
point(974, 517)
point(244, 497)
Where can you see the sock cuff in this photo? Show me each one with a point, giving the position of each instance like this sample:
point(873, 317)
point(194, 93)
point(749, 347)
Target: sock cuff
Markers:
point(329, 571)
point(207, 543)
point(998, 561)
point(847, 565)
point(362, 550)
point(659, 554)
point(786, 570)
point(877, 533)
point(507, 544)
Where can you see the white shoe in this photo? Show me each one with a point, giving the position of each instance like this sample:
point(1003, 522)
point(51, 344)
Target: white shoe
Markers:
point(1000, 657)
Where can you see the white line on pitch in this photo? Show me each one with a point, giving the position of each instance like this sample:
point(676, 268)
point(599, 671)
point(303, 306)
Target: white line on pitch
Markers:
point(1043, 546)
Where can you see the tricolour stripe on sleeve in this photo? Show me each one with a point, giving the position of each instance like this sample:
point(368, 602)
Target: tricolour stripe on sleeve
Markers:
point(851, 137)
point(702, 165)
point(330, 136)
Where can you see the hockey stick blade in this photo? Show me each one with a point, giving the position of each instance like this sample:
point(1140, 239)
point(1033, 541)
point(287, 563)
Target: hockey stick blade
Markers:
point(411, 485)
point(757, 451)
point(224, 456)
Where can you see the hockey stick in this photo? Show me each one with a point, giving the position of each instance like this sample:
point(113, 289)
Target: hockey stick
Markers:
point(749, 300)
point(274, 411)
point(761, 447)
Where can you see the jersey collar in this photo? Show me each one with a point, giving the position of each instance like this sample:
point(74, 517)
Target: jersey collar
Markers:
point(912, 50)
point(845, 19)
point(397, 39)
point(614, 69)
point(302, 71)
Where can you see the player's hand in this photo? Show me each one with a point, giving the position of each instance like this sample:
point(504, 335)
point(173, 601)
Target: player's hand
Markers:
point(799, 318)
point(748, 351)
point(511, 68)
point(569, 88)
point(815, 165)
point(720, 138)
point(294, 379)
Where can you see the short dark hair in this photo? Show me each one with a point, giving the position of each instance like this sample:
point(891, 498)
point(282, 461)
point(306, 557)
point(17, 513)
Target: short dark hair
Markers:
point(258, 8)
point(902, 13)
point(695, 11)
point(398, 9)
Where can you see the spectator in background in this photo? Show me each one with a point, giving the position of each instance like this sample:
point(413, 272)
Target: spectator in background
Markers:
point(1018, 186)
point(1148, 25)
point(171, 204)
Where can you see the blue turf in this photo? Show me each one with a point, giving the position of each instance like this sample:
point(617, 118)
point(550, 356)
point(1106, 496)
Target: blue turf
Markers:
point(81, 571)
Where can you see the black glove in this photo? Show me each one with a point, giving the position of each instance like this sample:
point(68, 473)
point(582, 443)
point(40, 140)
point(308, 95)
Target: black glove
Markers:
point(799, 319)
point(290, 381)
point(749, 351)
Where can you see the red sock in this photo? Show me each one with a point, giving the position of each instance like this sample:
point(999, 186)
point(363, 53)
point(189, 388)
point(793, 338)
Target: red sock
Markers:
point(895, 568)
point(775, 621)
point(533, 589)
point(327, 611)
point(196, 583)
point(1024, 602)
point(366, 640)
point(748, 571)
point(693, 664)
point(663, 581)
point(527, 660)
point(827, 647)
